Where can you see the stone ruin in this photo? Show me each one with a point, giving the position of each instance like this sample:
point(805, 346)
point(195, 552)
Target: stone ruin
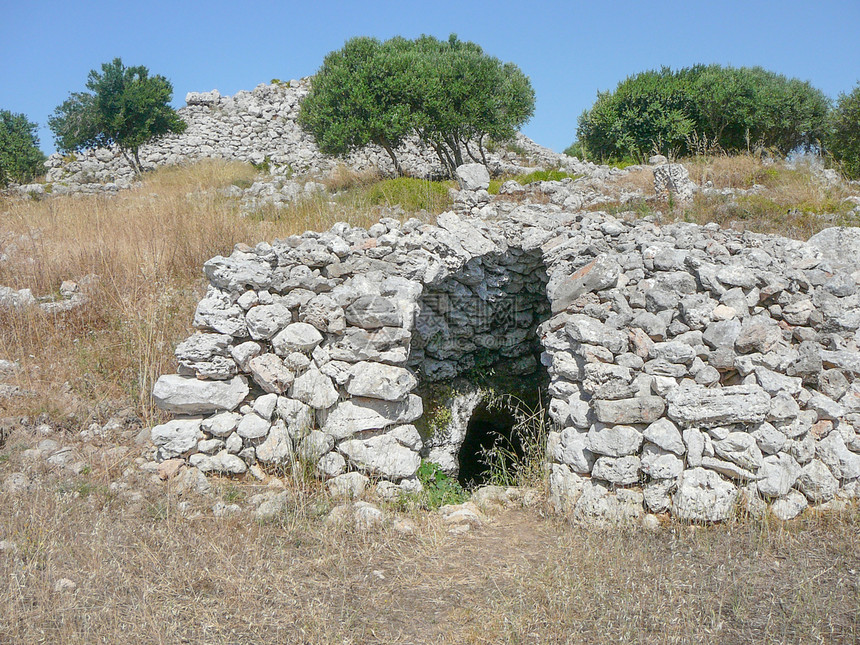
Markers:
point(684, 369)
point(260, 126)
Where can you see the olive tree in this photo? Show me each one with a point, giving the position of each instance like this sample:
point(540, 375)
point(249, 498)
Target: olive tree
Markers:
point(355, 99)
point(450, 94)
point(125, 107)
point(843, 140)
point(21, 160)
point(461, 96)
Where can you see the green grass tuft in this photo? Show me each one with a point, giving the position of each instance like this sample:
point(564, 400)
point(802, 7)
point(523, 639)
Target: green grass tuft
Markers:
point(409, 193)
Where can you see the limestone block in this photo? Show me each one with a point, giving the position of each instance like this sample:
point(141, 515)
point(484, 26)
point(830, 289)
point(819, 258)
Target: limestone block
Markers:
point(696, 405)
point(703, 496)
point(184, 395)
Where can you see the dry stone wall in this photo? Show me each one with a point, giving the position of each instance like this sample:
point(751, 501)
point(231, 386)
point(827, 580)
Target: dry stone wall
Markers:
point(260, 127)
point(690, 368)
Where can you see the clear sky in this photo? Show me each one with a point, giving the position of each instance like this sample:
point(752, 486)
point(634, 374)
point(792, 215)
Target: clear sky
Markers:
point(570, 50)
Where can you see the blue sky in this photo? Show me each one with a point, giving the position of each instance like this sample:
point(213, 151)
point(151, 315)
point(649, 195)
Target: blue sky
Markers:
point(570, 50)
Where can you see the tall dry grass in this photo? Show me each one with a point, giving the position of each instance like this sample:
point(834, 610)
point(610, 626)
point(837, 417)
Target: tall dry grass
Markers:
point(148, 572)
point(147, 247)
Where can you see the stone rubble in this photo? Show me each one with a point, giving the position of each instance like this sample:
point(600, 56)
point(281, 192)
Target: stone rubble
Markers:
point(686, 363)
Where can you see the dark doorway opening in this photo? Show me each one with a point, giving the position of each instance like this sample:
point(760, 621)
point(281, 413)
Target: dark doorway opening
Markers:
point(490, 439)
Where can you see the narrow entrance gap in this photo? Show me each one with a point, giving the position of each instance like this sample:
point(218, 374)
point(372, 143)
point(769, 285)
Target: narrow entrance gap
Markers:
point(488, 430)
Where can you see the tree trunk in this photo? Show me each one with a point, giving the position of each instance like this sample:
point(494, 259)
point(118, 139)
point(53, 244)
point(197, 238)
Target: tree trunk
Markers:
point(398, 170)
point(131, 162)
point(445, 158)
point(469, 152)
point(481, 150)
point(441, 158)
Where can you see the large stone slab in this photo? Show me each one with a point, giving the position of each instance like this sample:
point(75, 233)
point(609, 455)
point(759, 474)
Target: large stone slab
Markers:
point(238, 273)
point(473, 176)
point(379, 381)
point(694, 405)
point(188, 395)
point(640, 409)
point(359, 414)
point(382, 455)
point(613, 441)
point(601, 273)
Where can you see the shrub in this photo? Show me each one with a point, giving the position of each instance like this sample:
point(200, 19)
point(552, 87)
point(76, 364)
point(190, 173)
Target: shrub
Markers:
point(843, 140)
point(576, 149)
point(20, 157)
point(672, 112)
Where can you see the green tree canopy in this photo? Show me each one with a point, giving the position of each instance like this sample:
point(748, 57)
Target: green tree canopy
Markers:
point(449, 93)
point(843, 140)
point(733, 108)
point(21, 160)
point(125, 107)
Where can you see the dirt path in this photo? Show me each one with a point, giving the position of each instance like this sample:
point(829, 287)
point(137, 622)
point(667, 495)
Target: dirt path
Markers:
point(432, 596)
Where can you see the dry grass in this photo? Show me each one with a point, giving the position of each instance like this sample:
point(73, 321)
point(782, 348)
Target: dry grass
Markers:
point(147, 247)
point(790, 201)
point(343, 178)
point(148, 572)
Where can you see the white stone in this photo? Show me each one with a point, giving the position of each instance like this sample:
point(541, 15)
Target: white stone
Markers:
point(359, 414)
point(703, 496)
point(296, 337)
point(613, 441)
point(788, 507)
point(265, 405)
point(223, 462)
point(665, 434)
point(315, 445)
point(843, 463)
point(741, 449)
point(473, 176)
point(778, 475)
point(697, 405)
point(177, 436)
point(348, 485)
point(382, 455)
point(570, 447)
point(408, 436)
point(253, 426)
point(298, 416)
point(278, 447)
point(314, 388)
point(264, 321)
point(331, 465)
point(380, 381)
point(221, 425)
point(270, 373)
point(188, 395)
point(659, 463)
point(622, 471)
point(817, 482)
